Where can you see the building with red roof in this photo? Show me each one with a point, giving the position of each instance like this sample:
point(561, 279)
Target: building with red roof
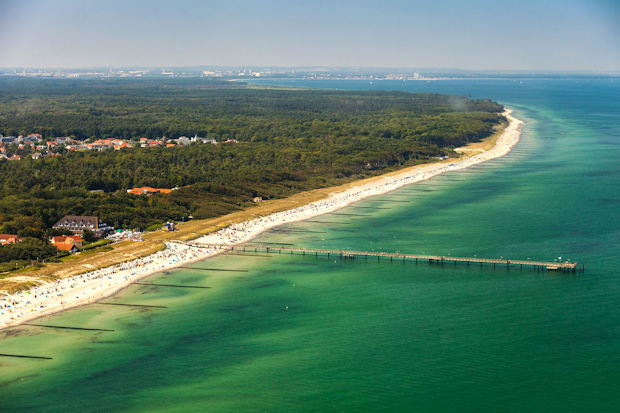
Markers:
point(6, 239)
point(147, 190)
point(67, 242)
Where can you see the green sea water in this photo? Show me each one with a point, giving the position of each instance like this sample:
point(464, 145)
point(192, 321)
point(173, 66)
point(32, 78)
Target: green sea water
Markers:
point(295, 333)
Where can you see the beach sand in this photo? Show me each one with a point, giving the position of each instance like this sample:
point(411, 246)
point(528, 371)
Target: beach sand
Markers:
point(54, 296)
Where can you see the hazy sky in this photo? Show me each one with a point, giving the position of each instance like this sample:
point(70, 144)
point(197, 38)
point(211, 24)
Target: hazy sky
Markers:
point(485, 34)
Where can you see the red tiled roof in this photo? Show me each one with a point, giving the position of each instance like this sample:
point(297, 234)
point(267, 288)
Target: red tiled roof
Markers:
point(148, 190)
point(9, 239)
point(63, 239)
point(64, 247)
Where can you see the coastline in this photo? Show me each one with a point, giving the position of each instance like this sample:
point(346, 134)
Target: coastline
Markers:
point(86, 288)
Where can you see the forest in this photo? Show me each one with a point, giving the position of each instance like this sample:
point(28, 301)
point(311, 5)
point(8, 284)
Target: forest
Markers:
point(288, 141)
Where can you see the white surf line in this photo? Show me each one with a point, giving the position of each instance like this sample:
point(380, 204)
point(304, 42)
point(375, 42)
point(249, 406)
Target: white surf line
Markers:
point(48, 298)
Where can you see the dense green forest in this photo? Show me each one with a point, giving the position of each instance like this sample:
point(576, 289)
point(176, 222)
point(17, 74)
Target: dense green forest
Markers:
point(289, 141)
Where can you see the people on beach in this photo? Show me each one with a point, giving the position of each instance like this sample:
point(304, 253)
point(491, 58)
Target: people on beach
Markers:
point(90, 286)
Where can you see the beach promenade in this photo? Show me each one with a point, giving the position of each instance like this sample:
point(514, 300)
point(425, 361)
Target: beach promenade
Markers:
point(50, 297)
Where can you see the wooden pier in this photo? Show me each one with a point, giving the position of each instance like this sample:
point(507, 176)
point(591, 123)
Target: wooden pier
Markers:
point(391, 257)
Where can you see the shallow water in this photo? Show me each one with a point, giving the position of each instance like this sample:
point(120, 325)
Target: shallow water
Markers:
point(298, 333)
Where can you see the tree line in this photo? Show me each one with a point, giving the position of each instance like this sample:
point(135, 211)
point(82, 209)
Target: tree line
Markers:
point(288, 141)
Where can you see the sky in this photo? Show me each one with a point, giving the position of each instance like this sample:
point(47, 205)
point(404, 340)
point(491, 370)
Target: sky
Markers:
point(561, 35)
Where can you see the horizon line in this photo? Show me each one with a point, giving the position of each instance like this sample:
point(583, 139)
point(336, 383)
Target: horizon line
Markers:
point(316, 67)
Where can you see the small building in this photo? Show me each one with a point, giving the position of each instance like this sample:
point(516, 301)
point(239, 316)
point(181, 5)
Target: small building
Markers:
point(6, 239)
point(147, 190)
point(121, 146)
point(67, 242)
point(34, 137)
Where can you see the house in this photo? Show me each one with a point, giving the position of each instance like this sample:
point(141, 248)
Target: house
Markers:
point(34, 137)
point(78, 224)
point(67, 247)
point(6, 239)
point(67, 242)
point(147, 190)
point(121, 146)
point(98, 146)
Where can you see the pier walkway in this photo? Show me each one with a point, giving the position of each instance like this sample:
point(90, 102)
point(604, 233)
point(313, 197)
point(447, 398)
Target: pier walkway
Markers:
point(390, 256)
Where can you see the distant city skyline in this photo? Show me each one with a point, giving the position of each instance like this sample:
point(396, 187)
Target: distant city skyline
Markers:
point(571, 35)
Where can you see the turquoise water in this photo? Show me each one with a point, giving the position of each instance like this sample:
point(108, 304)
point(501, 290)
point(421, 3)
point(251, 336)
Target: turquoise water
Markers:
point(293, 333)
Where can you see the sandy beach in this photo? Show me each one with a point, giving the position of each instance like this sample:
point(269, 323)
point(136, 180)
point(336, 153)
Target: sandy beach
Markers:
point(51, 297)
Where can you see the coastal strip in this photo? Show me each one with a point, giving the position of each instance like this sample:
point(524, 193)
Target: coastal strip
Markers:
point(90, 287)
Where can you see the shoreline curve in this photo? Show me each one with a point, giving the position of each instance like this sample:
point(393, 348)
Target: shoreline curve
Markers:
point(89, 287)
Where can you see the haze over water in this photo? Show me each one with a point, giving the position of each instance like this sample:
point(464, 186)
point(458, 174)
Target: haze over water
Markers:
point(300, 333)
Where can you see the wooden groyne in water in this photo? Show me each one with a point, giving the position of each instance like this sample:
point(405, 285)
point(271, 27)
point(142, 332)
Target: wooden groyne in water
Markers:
point(390, 256)
point(25, 357)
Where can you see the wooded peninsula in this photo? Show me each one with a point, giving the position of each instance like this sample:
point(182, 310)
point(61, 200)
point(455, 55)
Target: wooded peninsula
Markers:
point(279, 142)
